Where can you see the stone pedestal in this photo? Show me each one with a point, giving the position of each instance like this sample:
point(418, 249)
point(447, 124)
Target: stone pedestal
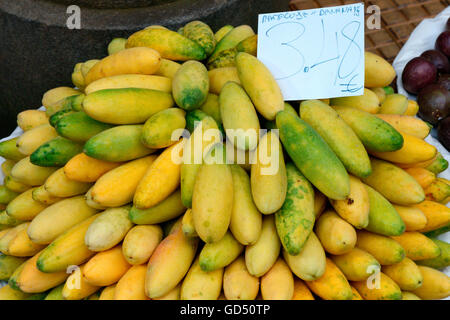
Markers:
point(38, 51)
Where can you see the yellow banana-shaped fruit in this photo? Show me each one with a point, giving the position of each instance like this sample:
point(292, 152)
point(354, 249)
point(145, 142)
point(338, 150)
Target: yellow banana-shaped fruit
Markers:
point(246, 220)
point(169, 43)
point(56, 94)
point(173, 294)
point(310, 263)
point(118, 186)
point(106, 267)
point(131, 81)
point(221, 253)
point(260, 85)
point(8, 264)
point(129, 61)
point(212, 201)
point(22, 246)
point(9, 235)
point(301, 291)
point(436, 284)
point(30, 279)
point(381, 287)
point(188, 224)
point(8, 293)
point(356, 295)
point(320, 202)
point(438, 215)
point(91, 203)
point(66, 250)
point(30, 119)
point(238, 283)
point(367, 102)
point(220, 76)
point(355, 208)
point(336, 235)
point(32, 139)
point(86, 169)
point(27, 173)
point(59, 185)
point(387, 251)
point(278, 282)
point(268, 182)
point(438, 190)
point(161, 179)
point(201, 285)
point(168, 68)
point(108, 229)
point(405, 190)
point(377, 71)
point(332, 285)
point(14, 185)
point(260, 256)
point(43, 196)
point(108, 293)
point(357, 264)
point(414, 150)
point(24, 207)
point(406, 295)
point(132, 285)
point(169, 263)
point(76, 286)
point(394, 104)
point(406, 274)
point(407, 124)
point(166, 210)
point(140, 242)
point(417, 246)
point(412, 216)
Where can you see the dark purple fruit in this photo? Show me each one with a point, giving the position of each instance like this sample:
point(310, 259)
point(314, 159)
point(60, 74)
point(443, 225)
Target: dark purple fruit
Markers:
point(443, 132)
point(443, 43)
point(448, 24)
point(444, 80)
point(437, 58)
point(434, 103)
point(418, 73)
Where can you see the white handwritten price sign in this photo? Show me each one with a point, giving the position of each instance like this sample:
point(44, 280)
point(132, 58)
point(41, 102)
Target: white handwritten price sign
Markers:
point(315, 54)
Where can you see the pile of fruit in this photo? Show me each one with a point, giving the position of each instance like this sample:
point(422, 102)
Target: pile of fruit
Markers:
point(428, 77)
point(104, 199)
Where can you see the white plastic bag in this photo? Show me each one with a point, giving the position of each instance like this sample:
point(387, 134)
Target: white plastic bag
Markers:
point(423, 38)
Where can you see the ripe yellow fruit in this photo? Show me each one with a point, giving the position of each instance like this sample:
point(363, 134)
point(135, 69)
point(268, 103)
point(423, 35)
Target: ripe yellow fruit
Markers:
point(378, 72)
point(278, 282)
point(128, 61)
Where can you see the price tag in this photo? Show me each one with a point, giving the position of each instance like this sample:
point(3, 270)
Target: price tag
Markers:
point(315, 54)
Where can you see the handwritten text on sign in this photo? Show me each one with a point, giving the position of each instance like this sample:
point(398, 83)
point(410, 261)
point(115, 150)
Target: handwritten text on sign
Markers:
point(315, 54)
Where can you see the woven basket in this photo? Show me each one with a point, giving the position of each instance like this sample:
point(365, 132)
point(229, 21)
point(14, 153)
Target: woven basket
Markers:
point(398, 20)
